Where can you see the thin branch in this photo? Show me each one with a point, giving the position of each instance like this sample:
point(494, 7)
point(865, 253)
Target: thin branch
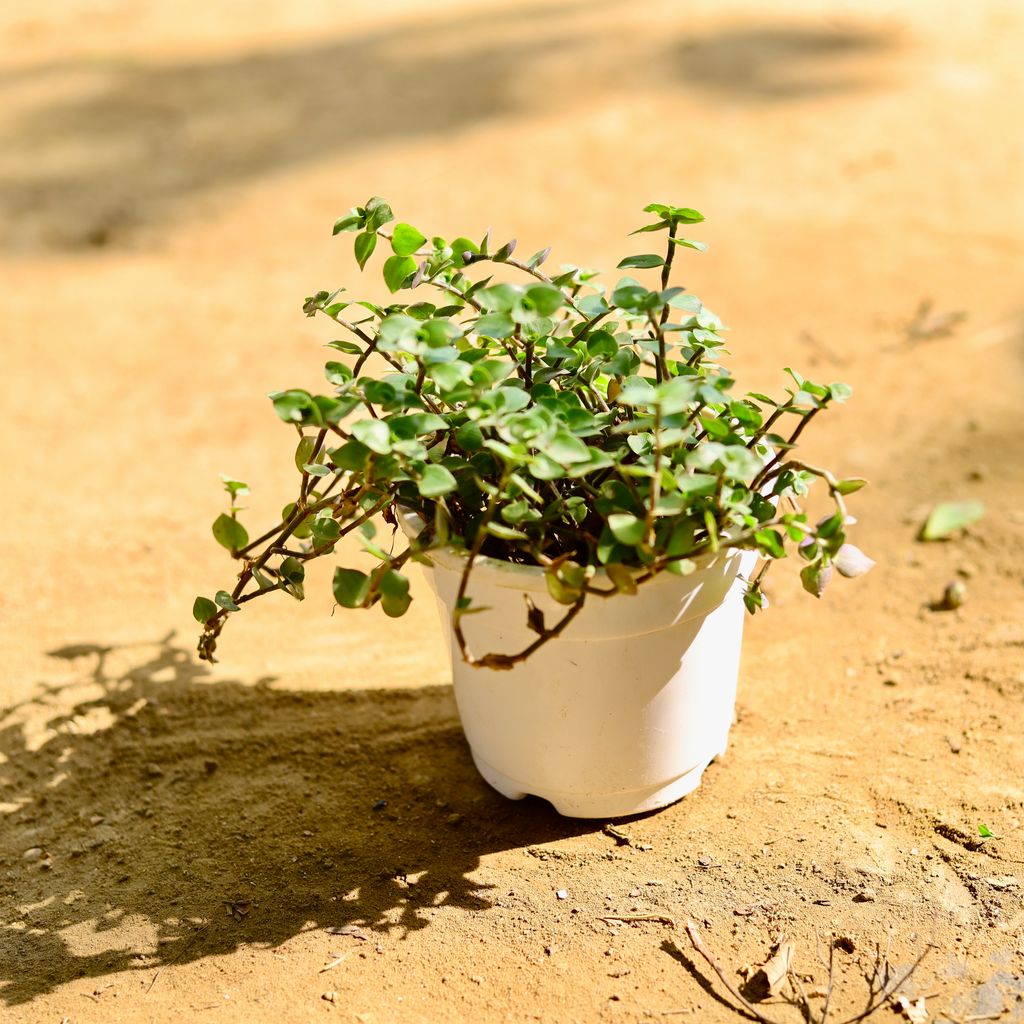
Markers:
point(887, 990)
point(698, 944)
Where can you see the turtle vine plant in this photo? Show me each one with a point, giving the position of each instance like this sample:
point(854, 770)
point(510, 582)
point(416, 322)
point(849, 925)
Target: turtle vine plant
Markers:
point(547, 421)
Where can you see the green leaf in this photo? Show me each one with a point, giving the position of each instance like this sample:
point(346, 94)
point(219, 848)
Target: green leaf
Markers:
point(436, 480)
point(985, 832)
point(234, 487)
point(634, 298)
point(352, 455)
point(681, 566)
point(678, 214)
point(505, 532)
point(566, 449)
point(348, 347)
point(815, 578)
point(325, 531)
point(394, 594)
point(293, 570)
point(226, 601)
point(374, 434)
point(337, 373)
point(642, 262)
point(602, 344)
point(621, 577)
point(560, 590)
point(659, 226)
point(951, 516)
point(396, 270)
point(544, 299)
point(851, 484)
point(691, 243)
point(460, 247)
point(499, 298)
point(352, 221)
point(626, 528)
point(770, 542)
point(350, 587)
point(406, 240)
point(230, 533)
point(449, 376)
point(296, 406)
point(378, 213)
point(203, 610)
point(495, 325)
point(840, 392)
point(364, 246)
point(469, 437)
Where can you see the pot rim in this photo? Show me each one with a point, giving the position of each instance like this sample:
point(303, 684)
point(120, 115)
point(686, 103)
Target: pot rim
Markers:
point(531, 577)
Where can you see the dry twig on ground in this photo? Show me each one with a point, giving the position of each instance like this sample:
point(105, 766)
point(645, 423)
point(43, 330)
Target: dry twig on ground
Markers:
point(883, 982)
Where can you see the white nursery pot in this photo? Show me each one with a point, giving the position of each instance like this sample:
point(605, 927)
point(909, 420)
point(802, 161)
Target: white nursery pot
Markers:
point(621, 713)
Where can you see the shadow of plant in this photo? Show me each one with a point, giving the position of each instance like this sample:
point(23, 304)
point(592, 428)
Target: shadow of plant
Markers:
point(180, 818)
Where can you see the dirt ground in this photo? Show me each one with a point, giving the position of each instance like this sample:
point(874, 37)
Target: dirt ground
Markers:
point(300, 835)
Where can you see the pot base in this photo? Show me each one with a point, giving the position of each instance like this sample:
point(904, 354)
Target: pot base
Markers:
point(598, 805)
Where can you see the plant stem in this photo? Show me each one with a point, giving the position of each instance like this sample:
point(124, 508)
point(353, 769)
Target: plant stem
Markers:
point(774, 461)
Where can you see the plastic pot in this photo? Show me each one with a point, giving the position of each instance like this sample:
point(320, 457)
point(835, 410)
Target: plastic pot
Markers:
point(621, 713)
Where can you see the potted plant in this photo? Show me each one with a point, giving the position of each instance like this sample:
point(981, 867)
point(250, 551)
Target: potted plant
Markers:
point(589, 498)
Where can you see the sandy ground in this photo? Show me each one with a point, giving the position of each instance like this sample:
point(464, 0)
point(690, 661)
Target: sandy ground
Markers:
point(168, 177)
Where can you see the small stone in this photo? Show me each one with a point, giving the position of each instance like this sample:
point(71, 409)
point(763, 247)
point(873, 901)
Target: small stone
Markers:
point(1002, 882)
point(477, 979)
point(330, 997)
point(562, 894)
point(952, 597)
point(380, 805)
point(154, 771)
point(210, 765)
point(33, 854)
point(453, 820)
point(866, 895)
point(633, 893)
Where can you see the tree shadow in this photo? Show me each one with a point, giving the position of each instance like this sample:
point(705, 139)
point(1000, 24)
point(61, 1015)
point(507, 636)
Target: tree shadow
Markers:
point(120, 143)
point(772, 63)
point(168, 818)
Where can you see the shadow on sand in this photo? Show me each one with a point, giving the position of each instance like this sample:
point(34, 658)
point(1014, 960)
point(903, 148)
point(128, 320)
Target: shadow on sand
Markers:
point(121, 142)
point(202, 816)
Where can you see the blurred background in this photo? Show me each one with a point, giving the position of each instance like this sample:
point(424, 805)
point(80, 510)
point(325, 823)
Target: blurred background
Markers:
point(169, 177)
